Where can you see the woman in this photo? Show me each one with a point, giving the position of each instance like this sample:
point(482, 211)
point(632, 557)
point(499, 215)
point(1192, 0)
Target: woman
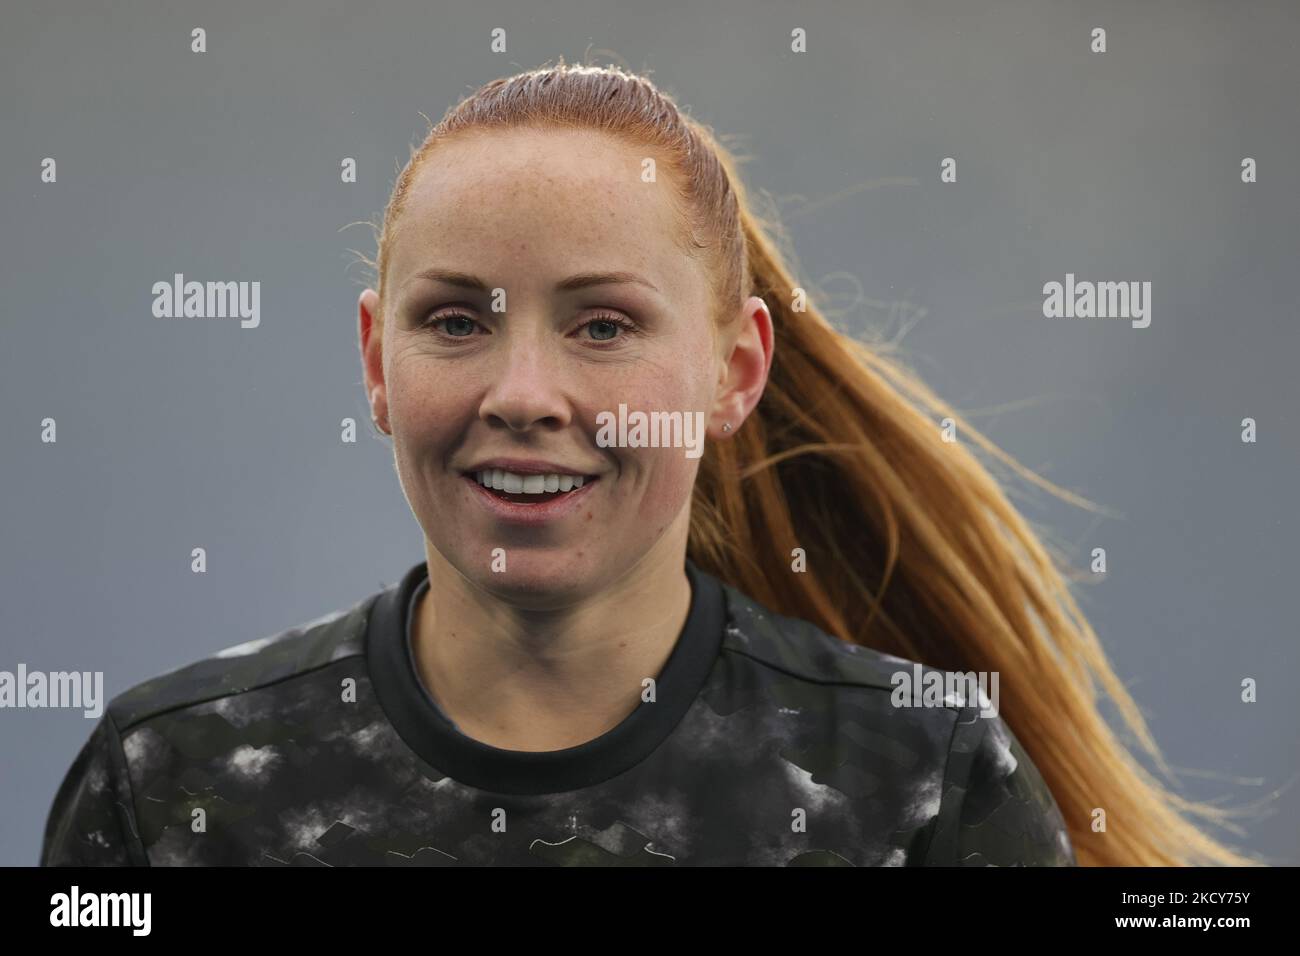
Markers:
point(616, 649)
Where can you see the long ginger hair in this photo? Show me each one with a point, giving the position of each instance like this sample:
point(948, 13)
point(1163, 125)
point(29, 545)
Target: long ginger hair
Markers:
point(912, 546)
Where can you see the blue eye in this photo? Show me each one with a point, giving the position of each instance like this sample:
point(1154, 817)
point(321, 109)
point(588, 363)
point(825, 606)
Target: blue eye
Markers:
point(611, 323)
point(450, 320)
point(459, 325)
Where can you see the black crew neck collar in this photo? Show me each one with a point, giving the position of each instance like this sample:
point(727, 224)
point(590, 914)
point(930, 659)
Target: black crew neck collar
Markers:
point(428, 731)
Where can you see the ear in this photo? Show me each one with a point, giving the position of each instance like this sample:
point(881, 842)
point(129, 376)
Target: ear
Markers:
point(370, 333)
point(745, 369)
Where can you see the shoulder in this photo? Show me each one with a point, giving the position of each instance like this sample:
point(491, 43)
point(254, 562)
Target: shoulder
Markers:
point(802, 650)
point(293, 652)
point(990, 804)
point(153, 731)
point(996, 808)
point(837, 701)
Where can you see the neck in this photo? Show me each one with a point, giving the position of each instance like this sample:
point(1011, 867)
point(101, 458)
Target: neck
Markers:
point(530, 678)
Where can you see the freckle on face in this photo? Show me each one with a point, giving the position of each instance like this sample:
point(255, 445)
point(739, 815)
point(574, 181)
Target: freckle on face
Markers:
point(479, 208)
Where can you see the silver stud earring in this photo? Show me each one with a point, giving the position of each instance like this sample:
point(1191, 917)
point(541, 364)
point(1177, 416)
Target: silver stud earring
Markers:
point(726, 426)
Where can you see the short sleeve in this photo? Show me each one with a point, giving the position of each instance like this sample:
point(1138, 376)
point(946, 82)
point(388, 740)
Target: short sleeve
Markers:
point(995, 808)
point(92, 819)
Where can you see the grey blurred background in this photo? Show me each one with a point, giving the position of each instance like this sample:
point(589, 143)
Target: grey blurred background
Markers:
point(225, 166)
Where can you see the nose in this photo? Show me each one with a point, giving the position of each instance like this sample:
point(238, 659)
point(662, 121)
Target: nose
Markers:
point(529, 386)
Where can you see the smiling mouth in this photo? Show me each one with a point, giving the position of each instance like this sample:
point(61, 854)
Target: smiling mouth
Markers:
point(539, 489)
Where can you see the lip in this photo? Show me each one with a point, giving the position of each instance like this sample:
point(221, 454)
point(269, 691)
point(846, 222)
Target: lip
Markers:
point(538, 514)
point(527, 466)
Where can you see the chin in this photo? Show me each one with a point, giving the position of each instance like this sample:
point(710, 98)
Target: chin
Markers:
point(548, 574)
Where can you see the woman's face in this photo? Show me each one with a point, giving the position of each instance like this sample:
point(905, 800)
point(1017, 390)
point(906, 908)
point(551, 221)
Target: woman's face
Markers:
point(528, 213)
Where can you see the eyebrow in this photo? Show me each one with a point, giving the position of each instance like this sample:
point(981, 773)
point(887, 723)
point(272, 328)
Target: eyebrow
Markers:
point(579, 281)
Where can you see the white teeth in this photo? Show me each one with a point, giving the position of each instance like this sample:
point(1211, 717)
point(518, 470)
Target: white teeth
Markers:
point(513, 483)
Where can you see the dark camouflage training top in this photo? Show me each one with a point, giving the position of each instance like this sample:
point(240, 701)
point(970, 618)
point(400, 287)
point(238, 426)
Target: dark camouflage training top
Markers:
point(768, 742)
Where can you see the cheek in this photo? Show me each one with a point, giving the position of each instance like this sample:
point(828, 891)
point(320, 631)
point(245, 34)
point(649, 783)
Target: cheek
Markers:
point(672, 478)
point(663, 484)
point(666, 476)
point(424, 397)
